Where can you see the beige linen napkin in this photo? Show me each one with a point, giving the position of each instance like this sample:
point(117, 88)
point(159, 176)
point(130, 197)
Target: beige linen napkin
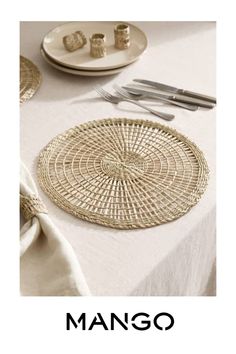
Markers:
point(48, 264)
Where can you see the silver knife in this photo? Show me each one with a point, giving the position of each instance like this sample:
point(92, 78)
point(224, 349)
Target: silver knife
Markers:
point(178, 98)
point(176, 90)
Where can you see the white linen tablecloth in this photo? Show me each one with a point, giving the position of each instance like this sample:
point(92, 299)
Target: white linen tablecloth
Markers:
point(176, 258)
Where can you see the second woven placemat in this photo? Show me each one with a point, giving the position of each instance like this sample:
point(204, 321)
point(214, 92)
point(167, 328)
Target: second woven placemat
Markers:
point(30, 79)
point(123, 173)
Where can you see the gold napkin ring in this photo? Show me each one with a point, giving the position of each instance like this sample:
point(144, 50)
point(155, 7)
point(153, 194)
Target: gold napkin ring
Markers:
point(122, 36)
point(74, 41)
point(97, 45)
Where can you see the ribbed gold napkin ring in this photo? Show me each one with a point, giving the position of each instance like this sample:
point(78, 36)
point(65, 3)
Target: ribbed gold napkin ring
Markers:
point(97, 45)
point(122, 36)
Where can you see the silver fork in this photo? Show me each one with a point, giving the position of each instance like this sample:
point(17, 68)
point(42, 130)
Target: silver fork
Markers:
point(137, 96)
point(115, 99)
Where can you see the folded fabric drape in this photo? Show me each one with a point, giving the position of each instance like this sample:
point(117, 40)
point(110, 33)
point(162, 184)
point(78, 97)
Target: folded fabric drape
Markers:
point(49, 266)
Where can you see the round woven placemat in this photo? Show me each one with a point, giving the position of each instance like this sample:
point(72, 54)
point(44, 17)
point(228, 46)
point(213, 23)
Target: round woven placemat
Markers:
point(123, 173)
point(30, 79)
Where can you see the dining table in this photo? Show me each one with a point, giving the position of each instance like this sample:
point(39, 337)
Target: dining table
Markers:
point(177, 258)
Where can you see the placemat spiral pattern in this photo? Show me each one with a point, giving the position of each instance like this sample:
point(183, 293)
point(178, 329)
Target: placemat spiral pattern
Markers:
point(30, 79)
point(123, 173)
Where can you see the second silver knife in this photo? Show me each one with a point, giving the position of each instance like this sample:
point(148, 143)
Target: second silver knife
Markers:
point(179, 98)
point(176, 90)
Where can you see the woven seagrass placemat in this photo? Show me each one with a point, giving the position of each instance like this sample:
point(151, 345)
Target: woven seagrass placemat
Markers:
point(30, 79)
point(123, 173)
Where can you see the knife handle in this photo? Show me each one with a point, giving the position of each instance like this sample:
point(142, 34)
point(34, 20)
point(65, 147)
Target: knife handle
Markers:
point(199, 96)
point(192, 100)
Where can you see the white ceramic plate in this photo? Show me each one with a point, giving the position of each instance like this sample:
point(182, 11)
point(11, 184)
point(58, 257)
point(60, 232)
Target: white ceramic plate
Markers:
point(80, 72)
point(81, 59)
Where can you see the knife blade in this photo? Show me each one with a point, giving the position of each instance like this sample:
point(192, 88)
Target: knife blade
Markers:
point(176, 90)
point(178, 98)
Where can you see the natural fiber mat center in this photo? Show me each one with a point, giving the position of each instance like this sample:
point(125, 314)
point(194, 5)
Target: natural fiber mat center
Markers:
point(30, 78)
point(123, 173)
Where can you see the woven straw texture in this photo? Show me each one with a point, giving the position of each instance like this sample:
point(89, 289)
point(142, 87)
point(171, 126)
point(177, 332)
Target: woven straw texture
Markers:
point(31, 206)
point(123, 173)
point(30, 79)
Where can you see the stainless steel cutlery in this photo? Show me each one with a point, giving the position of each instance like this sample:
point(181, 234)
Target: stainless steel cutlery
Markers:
point(150, 90)
point(178, 98)
point(176, 90)
point(126, 92)
point(117, 99)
